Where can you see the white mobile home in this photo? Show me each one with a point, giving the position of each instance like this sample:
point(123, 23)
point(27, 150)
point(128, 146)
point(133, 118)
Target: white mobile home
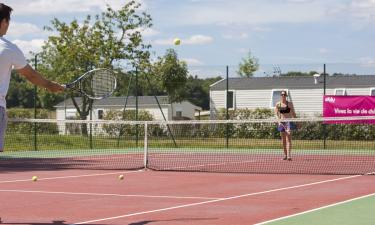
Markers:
point(182, 110)
point(306, 93)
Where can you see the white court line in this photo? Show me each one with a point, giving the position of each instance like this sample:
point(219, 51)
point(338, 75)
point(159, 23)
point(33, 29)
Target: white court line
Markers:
point(66, 177)
point(212, 164)
point(316, 209)
point(217, 200)
point(108, 194)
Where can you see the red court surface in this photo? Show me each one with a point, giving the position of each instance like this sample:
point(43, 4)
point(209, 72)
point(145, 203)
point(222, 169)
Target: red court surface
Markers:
point(74, 196)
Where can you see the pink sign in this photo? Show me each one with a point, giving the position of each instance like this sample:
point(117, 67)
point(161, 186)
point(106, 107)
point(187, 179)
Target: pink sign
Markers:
point(349, 106)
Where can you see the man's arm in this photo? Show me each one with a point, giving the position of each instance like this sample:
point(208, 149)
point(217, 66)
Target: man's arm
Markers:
point(36, 78)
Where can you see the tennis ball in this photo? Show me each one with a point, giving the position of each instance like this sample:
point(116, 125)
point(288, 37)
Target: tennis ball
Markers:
point(177, 41)
point(34, 178)
point(121, 177)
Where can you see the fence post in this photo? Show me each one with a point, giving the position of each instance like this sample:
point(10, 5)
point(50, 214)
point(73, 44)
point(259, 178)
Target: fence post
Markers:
point(35, 102)
point(145, 159)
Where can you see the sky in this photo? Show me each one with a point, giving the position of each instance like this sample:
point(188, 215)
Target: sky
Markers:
point(298, 35)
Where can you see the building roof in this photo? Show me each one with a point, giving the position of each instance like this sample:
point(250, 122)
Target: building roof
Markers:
point(119, 101)
point(258, 83)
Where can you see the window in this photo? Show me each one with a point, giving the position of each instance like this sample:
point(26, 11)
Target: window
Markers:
point(230, 99)
point(178, 113)
point(372, 92)
point(100, 114)
point(275, 96)
point(340, 91)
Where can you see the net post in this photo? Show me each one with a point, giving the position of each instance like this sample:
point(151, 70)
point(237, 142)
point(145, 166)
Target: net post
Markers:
point(90, 137)
point(227, 109)
point(145, 157)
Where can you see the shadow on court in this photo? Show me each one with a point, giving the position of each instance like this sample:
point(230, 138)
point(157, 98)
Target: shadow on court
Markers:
point(10, 164)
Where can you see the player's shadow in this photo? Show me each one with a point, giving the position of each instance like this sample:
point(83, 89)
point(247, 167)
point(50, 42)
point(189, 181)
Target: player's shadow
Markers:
point(57, 222)
point(187, 220)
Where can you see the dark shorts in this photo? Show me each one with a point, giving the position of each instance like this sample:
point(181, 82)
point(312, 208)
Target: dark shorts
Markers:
point(284, 126)
point(3, 126)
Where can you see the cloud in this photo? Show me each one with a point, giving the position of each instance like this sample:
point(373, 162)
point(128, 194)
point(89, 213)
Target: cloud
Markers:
point(198, 40)
point(323, 51)
point(34, 45)
point(240, 36)
point(300, 1)
point(250, 12)
point(367, 62)
point(243, 50)
point(48, 7)
point(358, 12)
point(20, 29)
point(192, 62)
point(149, 32)
point(193, 40)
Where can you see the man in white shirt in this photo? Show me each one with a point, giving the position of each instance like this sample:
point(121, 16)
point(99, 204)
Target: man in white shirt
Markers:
point(11, 57)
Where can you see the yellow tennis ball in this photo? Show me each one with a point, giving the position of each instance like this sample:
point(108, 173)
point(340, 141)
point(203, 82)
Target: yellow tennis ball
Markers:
point(35, 178)
point(177, 41)
point(121, 177)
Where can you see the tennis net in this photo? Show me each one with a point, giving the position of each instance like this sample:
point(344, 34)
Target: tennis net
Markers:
point(319, 146)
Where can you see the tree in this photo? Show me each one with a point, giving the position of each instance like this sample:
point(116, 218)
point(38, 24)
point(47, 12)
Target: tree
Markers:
point(105, 40)
point(298, 74)
point(20, 93)
point(197, 91)
point(248, 66)
point(171, 74)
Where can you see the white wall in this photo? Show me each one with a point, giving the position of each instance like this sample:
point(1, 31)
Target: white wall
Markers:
point(307, 102)
point(188, 109)
point(155, 112)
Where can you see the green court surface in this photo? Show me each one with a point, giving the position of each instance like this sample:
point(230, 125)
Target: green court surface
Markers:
point(360, 211)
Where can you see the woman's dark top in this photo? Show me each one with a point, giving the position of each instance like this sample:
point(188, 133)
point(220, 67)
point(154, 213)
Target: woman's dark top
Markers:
point(285, 109)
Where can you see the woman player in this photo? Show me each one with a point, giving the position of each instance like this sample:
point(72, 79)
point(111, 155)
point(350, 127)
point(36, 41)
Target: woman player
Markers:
point(285, 110)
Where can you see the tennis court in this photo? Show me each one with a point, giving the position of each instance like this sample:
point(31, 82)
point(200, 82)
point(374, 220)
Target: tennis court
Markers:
point(182, 173)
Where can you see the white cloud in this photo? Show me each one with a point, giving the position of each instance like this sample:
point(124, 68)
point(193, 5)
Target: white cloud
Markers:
point(34, 45)
point(240, 36)
point(20, 29)
point(193, 40)
point(300, 1)
point(251, 12)
point(243, 50)
point(323, 51)
point(149, 32)
point(198, 40)
point(192, 62)
point(48, 7)
point(367, 62)
point(163, 41)
point(358, 12)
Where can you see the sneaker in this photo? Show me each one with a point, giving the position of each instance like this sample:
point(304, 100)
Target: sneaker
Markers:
point(285, 158)
point(289, 159)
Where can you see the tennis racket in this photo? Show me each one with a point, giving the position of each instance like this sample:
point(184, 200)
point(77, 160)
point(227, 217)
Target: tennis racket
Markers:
point(95, 84)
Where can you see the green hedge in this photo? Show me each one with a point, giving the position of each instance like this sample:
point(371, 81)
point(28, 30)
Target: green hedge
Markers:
point(27, 127)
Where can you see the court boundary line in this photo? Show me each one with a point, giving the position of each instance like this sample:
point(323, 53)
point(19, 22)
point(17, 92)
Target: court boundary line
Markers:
point(217, 200)
point(106, 194)
point(315, 209)
point(76, 176)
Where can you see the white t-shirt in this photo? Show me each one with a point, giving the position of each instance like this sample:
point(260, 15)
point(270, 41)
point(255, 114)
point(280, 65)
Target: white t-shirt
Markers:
point(11, 57)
